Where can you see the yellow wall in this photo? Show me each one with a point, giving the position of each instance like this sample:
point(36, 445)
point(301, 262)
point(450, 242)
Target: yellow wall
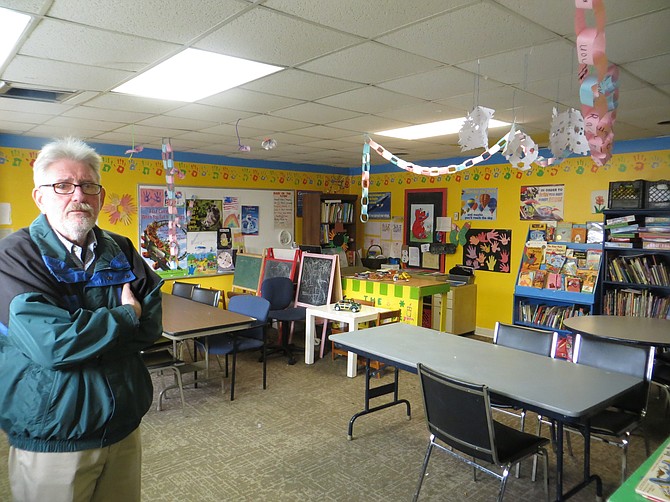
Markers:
point(494, 303)
point(579, 177)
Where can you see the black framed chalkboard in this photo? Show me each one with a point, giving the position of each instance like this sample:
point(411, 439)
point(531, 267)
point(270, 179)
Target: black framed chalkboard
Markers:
point(315, 280)
point(278, 268)
point(247, 272)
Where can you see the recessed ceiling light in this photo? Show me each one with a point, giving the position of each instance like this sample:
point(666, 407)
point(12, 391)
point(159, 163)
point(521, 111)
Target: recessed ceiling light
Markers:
point(432, 129)
point(12, 25)
point(194, 74)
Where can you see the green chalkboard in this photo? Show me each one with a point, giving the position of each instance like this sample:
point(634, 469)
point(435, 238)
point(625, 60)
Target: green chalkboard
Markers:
point(247, 271)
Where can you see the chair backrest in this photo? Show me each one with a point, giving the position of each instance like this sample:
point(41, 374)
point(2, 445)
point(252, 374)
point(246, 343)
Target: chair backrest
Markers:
point(459, 414)
point(389, 317)
point(206, 296)
point(279, 291)
point(626, 358)
point(183, 289)
point(253, 306)
point(537, 341)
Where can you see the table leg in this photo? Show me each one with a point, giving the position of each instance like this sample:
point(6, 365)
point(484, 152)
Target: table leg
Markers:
point(443, 312)
point(352, 358)
point(309, 339)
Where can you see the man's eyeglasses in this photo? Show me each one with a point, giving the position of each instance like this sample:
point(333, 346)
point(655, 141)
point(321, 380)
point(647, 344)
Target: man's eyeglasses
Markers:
point(64, 188)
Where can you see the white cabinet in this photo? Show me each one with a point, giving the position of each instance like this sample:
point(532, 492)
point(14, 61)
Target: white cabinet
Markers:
point(461, 312)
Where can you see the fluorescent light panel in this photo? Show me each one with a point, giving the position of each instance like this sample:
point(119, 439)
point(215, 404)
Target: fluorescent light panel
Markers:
point(12, 26)
point(194, 74)
point(432, 129)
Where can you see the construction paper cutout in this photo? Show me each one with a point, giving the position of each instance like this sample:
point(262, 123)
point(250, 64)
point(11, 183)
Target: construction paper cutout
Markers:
point(474, 132)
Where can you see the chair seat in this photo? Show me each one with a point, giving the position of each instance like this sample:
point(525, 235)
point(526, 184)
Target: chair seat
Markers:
point(159, 359)
point(614, 422)
point(220, 345)
point(292, 314)
point(513, 444)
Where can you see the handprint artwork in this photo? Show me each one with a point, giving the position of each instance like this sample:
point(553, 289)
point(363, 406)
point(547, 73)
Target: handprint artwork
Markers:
point(487, 249)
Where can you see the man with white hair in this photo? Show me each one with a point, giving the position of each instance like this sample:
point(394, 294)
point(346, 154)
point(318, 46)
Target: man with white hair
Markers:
point(77, 305)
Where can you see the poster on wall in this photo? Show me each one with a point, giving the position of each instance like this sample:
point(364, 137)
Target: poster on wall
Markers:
point(154, 238)
point(250, 221)
point(379, 205)
point(202, 253)
point(541, 203)
point(205, 216)
point(488, 249)
point(422, 208)
point(599, 201)
point(479, 203)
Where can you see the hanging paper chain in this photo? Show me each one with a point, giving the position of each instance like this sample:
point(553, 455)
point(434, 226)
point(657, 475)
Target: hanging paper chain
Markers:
point(171, 202)
point(598, 94)
point(365, 179)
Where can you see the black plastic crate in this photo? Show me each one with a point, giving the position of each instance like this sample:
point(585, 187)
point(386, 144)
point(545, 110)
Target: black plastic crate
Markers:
point(626, 194)
point(657, 194)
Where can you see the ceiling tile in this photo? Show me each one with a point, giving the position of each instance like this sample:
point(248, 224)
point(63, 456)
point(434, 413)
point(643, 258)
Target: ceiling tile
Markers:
point(369, 100)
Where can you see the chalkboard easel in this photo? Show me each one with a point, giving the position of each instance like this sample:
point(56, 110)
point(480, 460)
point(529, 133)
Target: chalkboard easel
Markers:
point(319, 280)
point(247, 274)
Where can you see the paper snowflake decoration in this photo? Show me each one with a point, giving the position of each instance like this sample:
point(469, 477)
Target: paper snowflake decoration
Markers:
point(474, 132)
point(567, 134)
point(521, 151)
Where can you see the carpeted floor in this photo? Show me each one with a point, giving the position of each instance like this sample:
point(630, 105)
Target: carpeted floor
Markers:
point(289, 443)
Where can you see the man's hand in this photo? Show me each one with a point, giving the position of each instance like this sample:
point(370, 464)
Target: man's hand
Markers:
point(128, 298)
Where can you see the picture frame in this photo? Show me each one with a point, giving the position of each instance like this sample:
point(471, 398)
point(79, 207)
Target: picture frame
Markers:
point(422, 208)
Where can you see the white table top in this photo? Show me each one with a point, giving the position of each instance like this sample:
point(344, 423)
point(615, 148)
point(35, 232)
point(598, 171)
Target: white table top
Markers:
point(554, 386)
point(367, 313)
point(639, 330)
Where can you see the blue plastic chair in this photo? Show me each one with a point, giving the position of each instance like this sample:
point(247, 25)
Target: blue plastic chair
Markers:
point(253, 338)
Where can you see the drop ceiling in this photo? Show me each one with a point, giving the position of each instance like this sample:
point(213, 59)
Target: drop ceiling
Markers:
point(351, 67)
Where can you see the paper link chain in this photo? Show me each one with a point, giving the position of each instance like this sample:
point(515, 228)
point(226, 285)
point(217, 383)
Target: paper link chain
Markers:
point(168, 164)
point(598, 93)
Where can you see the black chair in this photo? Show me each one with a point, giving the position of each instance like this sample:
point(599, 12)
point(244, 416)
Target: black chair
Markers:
point(280, 291)
point(183, 289)
point(159, 358)
point(206, 296)
point(615, 424)
point(459, 415)
point(661, 376)
point(536, 341)
point(253, 338)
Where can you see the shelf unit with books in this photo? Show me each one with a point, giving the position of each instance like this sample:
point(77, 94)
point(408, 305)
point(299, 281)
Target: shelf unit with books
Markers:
point(556, 280)
point(636, 263)
point(328, 216)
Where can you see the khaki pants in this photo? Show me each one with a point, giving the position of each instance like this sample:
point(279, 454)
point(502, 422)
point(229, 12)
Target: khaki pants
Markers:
point(107, 474)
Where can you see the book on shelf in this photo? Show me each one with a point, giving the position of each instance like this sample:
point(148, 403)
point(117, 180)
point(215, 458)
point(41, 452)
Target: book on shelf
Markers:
point(563, 231)
point(537, 231)
point(526, 278)
point(661, 220)
point(533, 255)
point(593, 259)
point(625, 229)
point(554, 256)
point(573, 284)
point(589, 279)
point(621, 245)
point(655, 245)
point(539, 279)
point(570, 266)
point(595, 232)
point(578, 255)
point(655, 484)
point(554, 281)
point(551, 231)
point(578, 233)
point(619, 220)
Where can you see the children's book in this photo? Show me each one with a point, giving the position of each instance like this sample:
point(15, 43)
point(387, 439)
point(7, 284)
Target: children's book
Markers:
point(578, 255)
point(526, 278)
point(595, 232)
point(539, 279)
point(655, 485)
point(551, 231)
point(578, 233)
point(570, 267)
point(573, 284)
point(554, 281)
point(554, 261)
point(563, 231)
point(533, 255)
point(593, 259)
point(589, 279)
point(537, 232)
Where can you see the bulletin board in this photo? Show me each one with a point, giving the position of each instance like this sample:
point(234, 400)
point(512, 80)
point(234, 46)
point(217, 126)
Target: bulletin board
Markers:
point(258, 219)
point(422, 208)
